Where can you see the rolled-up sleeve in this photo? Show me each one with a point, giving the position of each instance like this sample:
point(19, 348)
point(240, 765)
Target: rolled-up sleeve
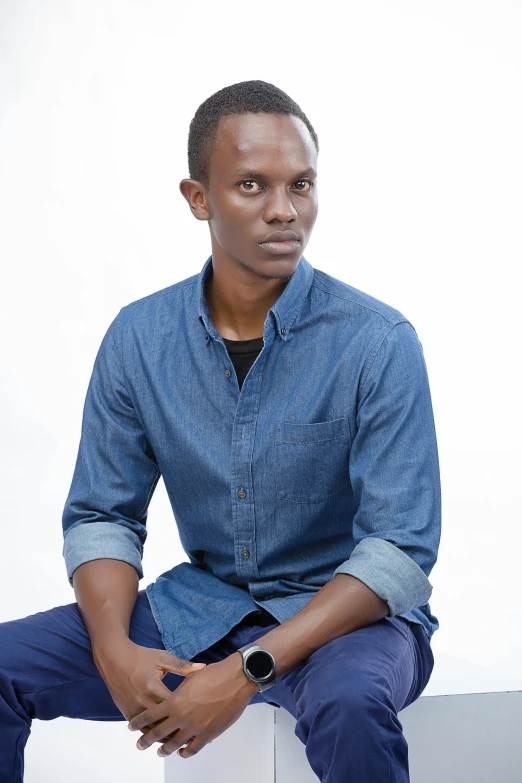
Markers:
point(394, 472)
point(116, 471)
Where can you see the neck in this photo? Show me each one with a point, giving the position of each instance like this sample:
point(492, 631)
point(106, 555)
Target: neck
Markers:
point(238, 299)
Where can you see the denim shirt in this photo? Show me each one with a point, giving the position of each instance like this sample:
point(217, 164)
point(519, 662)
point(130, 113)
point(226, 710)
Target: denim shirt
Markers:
point(325, 462)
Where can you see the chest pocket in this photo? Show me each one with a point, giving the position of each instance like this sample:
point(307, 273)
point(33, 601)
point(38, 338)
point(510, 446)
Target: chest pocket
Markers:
point(311, 460)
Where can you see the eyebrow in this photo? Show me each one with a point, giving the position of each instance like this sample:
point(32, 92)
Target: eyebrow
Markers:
point(259, 175)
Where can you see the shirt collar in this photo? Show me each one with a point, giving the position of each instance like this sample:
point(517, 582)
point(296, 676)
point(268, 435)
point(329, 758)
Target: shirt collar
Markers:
point(284, 309)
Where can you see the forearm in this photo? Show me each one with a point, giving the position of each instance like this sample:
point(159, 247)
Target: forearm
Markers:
point(341, 606)
point(106, 592)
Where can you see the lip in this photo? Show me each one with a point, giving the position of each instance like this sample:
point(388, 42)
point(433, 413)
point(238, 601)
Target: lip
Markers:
point(280, 248)
point(280, 236)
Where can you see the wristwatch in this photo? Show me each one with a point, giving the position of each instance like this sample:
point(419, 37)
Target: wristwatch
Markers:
point(259, 665)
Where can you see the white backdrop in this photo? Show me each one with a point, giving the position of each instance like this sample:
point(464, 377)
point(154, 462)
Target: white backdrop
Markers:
point(417, 108)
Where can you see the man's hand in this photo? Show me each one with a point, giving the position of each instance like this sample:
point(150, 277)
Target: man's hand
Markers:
point(201, 708)
point(133, 674)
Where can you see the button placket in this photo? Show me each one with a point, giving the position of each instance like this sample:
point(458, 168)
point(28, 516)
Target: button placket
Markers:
point(243, 433)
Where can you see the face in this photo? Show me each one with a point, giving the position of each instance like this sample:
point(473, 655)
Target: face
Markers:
point(262, 182)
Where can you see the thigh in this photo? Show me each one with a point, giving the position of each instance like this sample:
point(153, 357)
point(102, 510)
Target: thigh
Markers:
point(386, 660)
point(46, 659)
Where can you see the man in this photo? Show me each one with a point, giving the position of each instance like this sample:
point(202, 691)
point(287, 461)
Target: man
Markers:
point(290, 417)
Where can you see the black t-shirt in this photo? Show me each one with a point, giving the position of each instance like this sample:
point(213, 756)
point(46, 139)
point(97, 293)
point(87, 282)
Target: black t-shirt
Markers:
point(243, 354)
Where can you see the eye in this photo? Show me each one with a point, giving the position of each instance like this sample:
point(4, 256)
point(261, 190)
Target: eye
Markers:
point(249, 182)
point(308, 182)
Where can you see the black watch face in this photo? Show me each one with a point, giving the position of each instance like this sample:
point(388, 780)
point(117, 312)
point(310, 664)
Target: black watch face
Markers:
point(259, 664)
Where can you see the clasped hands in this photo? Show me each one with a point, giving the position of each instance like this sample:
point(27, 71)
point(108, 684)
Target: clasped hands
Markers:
point(208, 701)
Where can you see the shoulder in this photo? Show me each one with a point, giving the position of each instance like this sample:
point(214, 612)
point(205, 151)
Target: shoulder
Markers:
point(158, 307)
point(358, 305)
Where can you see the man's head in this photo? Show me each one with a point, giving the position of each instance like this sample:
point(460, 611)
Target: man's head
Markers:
point(252, 157)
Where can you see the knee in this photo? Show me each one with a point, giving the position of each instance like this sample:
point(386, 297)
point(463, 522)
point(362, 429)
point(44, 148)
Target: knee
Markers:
point(8, 658)
point(5, 644)
point(9, 653)
point(14, 660)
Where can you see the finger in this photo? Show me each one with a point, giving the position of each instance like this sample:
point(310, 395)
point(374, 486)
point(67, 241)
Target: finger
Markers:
point(144, 719)
point(179, 666)
point(159, 733)
point(176, 742)
point(193, 747)
point(152, 714)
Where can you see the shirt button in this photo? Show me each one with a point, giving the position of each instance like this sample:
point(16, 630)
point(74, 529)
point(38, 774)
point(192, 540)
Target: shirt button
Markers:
point(245, 554)
point(241, 493)
point(227, 373)
point(283, 330)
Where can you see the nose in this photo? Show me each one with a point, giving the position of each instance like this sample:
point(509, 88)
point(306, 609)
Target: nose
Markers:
point(279, 206)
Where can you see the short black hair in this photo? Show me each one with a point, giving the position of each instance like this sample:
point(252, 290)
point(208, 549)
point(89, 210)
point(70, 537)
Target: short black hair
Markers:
point(239, 98)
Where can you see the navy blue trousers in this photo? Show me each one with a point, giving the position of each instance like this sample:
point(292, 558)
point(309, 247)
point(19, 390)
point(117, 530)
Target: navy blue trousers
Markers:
point(345, 696)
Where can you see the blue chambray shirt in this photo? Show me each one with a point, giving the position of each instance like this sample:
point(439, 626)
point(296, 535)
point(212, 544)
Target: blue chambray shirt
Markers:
point(325, 462)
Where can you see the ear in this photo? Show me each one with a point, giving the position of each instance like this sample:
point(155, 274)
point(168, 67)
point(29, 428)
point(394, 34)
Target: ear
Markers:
point(196, 196)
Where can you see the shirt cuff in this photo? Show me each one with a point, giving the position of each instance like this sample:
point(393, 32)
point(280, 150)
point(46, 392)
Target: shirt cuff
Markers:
point(97, 540)
point(390, 573)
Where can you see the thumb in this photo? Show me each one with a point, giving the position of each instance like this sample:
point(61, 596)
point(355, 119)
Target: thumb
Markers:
point(172, 663)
